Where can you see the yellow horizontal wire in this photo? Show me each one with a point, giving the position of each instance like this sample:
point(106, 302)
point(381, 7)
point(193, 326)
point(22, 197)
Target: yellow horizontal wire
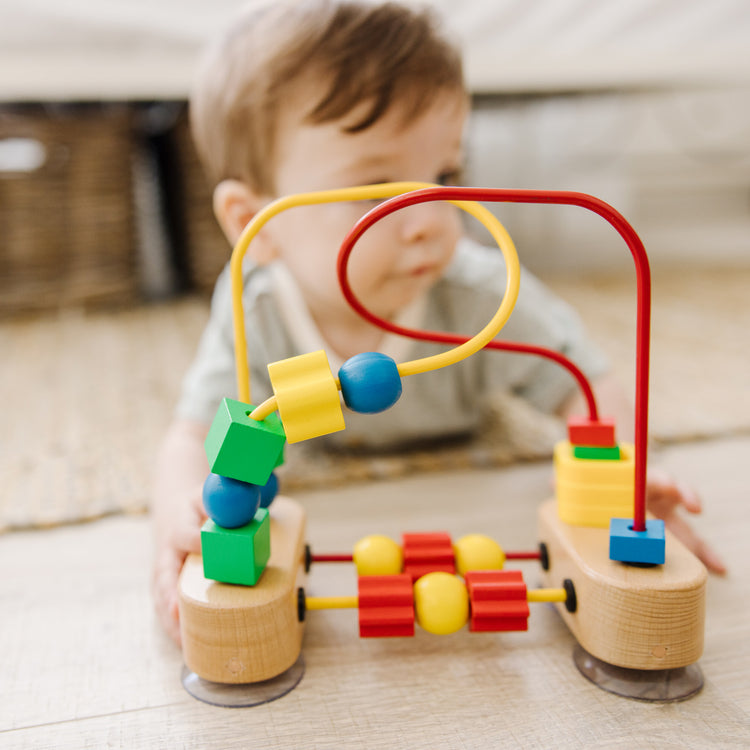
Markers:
point(331, 602)
point(372, 192)
point(352, 602)
point(547, 595)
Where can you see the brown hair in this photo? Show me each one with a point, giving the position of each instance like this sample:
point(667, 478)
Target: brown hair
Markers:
point(364, 53)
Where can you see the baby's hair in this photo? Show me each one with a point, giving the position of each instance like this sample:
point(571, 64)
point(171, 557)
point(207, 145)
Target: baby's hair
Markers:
point(361, 53)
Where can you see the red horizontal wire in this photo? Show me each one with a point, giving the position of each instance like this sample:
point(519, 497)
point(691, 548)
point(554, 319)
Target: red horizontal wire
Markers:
point(522, 556)
point(331, 558)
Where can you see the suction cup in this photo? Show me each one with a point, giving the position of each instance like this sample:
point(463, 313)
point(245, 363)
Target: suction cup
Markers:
point(243, 695)
point(653, 686)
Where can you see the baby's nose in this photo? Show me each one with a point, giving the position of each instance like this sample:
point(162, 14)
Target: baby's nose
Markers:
point(424, 220)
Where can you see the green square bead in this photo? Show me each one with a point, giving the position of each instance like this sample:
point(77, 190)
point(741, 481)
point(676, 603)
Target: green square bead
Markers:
point(242, 448)
point(237, 555)
point(597, 452)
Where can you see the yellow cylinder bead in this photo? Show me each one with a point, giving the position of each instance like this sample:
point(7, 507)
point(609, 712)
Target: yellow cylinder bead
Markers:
point(378, 555)
point(478, 552)
point(441, 603)
point(307, 396)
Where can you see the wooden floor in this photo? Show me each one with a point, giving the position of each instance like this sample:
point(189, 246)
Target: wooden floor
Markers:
point(84, 664)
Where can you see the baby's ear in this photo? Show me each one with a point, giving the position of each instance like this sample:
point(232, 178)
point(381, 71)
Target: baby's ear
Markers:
point(234, 205)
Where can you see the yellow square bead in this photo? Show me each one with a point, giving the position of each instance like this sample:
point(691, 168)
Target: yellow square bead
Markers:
point(590, 491)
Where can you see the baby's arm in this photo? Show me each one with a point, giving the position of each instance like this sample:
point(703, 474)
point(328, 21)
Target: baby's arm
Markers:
point(177, 508)
point(664, 495)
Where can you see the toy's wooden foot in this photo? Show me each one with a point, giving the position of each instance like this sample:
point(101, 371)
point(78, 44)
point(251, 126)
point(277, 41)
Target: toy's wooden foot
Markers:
point(247, 634)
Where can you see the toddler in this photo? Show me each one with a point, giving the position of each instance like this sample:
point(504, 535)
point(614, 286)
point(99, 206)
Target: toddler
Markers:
point(323, 94)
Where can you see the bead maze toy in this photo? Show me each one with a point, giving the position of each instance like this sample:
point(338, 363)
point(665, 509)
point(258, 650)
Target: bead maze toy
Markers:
point(631, 594)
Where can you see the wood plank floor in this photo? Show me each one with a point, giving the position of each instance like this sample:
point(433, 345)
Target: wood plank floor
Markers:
point(85, 666)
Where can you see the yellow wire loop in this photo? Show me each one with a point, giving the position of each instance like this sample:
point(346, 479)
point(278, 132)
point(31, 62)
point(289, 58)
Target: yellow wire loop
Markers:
point(371, 192)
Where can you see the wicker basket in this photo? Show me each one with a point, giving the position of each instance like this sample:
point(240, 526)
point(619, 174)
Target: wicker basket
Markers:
point(66, 210)
point(205, 247)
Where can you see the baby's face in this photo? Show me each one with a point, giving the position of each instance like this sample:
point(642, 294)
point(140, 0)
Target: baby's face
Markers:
point(401, 256)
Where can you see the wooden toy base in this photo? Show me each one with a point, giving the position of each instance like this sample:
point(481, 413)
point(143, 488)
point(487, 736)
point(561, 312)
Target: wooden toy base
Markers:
point(634, 617)
point(242, 634)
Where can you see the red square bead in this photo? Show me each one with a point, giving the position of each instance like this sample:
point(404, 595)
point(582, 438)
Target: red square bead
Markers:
point(428, 552)
point(583, 431)
point(386, 606)
point(498, 600)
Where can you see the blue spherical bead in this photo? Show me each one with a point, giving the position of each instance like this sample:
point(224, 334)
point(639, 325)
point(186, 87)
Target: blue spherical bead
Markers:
point(370, 382)
point(230, 503)
point(269, 491)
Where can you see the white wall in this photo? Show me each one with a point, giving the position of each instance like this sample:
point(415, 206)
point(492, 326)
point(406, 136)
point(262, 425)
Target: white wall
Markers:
point(114, 49)
point(675, 163)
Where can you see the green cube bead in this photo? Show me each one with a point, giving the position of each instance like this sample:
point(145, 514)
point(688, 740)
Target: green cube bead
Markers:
point(242, 448)
point(597, 452)
point(237, 555)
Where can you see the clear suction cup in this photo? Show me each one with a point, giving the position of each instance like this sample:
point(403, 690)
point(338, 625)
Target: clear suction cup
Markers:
point(243, 695)
point(654, 686)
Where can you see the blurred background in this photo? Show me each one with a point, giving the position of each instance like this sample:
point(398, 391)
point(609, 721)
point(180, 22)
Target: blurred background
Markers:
point(645, 104)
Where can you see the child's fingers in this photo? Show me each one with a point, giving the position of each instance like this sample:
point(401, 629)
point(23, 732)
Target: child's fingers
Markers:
point(171, 622)
point(184, 534)
point(665, 494)
point(187, 537)
point(196, 503)
point(166, 573)
point(689, 499)
point(685, 533)
point(710, 559)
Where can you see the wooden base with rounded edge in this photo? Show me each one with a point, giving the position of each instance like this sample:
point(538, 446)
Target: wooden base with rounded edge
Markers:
point(628, 616)
point(241, 634)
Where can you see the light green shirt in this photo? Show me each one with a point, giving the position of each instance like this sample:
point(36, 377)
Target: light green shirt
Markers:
point(445, 402)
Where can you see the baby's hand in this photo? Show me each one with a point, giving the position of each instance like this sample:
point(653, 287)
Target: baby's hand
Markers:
point(174, 541)
point(664, 498)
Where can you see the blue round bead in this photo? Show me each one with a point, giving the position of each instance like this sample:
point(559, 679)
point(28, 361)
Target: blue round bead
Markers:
point(269, 491)
point(370, 382)
point(230, 503)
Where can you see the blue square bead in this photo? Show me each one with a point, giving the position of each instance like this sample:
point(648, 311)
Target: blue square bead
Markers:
point(644, 547)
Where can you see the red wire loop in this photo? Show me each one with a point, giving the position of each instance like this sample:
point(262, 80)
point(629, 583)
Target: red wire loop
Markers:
point(558, 197)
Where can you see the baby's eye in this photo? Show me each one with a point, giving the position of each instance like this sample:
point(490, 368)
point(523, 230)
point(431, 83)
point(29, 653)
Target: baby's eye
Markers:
point(370, 202)
point(449, 177)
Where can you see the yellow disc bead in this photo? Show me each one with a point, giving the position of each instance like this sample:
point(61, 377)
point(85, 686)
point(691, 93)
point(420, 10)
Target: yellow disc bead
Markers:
point(378, 555)
point(307, 396)
point(478, 552)
point(441, 603)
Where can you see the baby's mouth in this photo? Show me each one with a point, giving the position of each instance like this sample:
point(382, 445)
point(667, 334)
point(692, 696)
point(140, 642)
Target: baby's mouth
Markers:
point(423, 270)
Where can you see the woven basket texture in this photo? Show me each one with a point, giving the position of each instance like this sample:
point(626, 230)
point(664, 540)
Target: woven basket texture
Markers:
point(206, 249)
point(67, 222)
